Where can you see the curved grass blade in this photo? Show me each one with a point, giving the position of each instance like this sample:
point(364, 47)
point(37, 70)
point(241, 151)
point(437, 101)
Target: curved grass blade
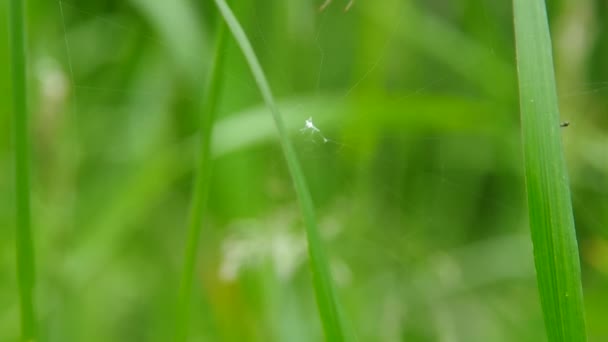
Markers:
point(201, 186)
point(25, 246)
point(550, 208)
point(324, 289)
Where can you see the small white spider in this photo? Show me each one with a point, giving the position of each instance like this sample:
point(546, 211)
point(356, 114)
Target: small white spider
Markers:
point(327, 2)
point(309, 126)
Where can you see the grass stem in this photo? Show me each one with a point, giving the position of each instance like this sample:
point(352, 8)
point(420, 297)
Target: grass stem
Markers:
point(550, 209)
point(25, 248)
point(323, 284)
point(200, 193)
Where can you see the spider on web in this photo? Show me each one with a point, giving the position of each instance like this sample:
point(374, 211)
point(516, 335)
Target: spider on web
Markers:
point(327, 2)
point(309, 126)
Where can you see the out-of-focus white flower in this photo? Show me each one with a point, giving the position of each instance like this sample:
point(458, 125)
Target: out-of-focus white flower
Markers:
point(53, 86)
point(274, 240)
point(53, 83)
point(286, 251)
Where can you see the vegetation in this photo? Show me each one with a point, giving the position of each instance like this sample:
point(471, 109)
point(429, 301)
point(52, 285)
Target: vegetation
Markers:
point(164, 197)
point(551, 221)
point(23, 236)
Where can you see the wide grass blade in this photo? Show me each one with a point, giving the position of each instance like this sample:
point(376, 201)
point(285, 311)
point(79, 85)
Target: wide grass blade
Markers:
point(550, 208)
point(201, 185)
point(324, 289)
point(25, 248)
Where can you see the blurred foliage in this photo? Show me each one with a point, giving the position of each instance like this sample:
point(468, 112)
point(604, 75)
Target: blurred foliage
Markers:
point(419, 190)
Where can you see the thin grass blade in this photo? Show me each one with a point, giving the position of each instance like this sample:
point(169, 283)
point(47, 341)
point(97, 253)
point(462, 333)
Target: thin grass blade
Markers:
point(323, 284)
point(551, 219)
point(25, 246)
point(201, 186)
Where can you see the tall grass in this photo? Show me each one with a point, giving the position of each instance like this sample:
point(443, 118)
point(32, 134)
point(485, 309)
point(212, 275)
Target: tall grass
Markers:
point(550, 209)
point(323, 284)
point(201, 184)
point(25, 249)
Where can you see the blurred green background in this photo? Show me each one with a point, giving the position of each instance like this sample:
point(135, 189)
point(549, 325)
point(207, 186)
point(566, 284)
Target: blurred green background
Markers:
point(419, 190)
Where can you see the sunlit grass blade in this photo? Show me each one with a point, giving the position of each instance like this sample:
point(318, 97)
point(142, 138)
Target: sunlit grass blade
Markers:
point(201, 186)
point(25, 248)
point(324, 288)
point(550, 208)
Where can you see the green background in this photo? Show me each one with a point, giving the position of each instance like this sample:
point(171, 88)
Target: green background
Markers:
point(419, 191)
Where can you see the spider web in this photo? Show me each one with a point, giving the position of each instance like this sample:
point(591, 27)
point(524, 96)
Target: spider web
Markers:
point(421, 174)
point(312, 150)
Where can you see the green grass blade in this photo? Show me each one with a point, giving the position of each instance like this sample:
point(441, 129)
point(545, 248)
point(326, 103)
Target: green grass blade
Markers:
point(550, 208)
point(324, 289)
point(201, 186)
point(25, 248)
